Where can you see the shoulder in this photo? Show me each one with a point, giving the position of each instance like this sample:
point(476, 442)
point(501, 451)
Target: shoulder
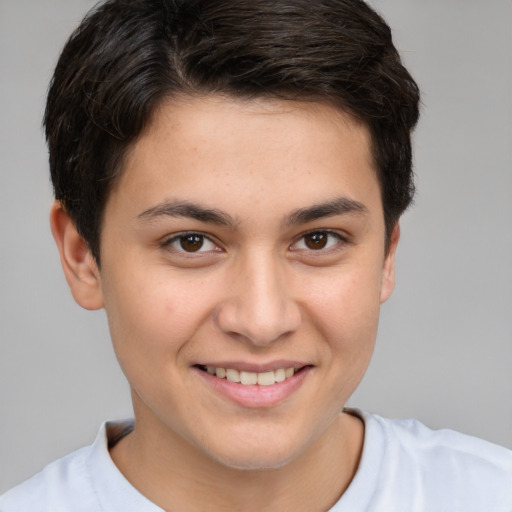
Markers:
point(86, 480)
point(83, 481)
point(407, 466)
point(452, 448)
point(460, 472)
point(53, 487)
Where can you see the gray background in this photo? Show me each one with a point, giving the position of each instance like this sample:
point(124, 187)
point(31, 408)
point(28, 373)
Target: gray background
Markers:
point(445, 346)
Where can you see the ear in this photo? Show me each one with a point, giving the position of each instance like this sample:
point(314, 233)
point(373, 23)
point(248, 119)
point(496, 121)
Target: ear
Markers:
point(79, 266)
point(388, 270)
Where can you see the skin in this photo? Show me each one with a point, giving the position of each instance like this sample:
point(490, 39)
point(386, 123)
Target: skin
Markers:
point(254, 293)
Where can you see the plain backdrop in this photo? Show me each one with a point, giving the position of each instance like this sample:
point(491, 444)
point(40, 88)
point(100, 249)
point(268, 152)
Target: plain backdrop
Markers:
point(444, 351)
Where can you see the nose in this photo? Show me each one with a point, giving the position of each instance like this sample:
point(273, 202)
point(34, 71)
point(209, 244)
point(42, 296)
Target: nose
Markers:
point(259, 305)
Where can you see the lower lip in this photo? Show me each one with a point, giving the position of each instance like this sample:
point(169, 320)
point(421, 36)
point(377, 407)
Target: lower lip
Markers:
point(255, 396)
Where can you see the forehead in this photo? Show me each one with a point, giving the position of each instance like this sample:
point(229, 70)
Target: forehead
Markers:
point(198, 120)
point(226, 150)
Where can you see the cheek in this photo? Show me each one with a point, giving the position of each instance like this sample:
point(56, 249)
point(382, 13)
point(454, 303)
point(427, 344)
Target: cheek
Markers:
point(346, 311)
point(153, 316)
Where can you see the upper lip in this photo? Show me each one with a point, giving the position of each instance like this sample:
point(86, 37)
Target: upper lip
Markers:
point(255, 367)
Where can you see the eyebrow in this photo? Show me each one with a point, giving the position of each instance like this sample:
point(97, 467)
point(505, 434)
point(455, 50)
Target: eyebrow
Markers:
point(337, 206)
point(331, 208)
point(189, 210)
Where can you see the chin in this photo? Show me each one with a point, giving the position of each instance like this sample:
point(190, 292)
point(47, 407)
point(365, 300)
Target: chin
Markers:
point(254, 461)
point(254, 452)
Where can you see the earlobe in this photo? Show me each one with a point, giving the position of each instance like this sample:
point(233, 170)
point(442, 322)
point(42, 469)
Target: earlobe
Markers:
point(388, 271)
point(79, 266)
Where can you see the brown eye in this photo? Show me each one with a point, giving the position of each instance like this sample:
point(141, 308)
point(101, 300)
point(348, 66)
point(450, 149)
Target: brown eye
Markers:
point(316, 241)
point(192, 242)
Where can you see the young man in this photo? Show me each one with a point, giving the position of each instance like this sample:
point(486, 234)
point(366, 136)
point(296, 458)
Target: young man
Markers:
point(229, 178)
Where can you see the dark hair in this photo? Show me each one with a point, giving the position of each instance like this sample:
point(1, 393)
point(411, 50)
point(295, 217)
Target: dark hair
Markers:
point(127, 56)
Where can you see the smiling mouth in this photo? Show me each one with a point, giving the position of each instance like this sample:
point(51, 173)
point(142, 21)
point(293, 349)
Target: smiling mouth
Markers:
point(251, 378)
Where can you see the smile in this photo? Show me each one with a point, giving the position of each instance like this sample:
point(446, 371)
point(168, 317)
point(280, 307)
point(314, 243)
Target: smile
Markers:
point(250, 388)
point(247, 378)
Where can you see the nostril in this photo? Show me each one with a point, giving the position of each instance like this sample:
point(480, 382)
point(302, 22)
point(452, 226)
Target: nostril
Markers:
point(259, 313)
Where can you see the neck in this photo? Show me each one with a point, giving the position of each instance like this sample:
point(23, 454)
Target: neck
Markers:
point(176, 476)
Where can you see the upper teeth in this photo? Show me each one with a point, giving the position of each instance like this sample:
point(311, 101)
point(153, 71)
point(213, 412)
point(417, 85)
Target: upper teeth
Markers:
point(248, 378)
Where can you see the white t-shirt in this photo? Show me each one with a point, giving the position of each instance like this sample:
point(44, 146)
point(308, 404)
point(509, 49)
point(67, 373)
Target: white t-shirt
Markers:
point(405, 467)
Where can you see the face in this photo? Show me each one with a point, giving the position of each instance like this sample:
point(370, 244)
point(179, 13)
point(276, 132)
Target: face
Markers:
point(242, 271)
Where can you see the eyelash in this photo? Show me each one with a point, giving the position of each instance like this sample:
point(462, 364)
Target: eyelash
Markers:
point(339, 239)
point(178, 239)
